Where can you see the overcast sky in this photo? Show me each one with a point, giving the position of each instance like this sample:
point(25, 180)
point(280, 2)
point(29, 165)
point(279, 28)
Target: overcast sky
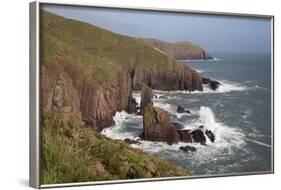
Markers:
point(213, 33)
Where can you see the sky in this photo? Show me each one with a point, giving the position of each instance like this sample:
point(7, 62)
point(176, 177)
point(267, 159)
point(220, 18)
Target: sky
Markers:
point(214, 33)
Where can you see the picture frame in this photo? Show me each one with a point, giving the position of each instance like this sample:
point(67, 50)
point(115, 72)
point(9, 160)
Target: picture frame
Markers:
point(37, 107)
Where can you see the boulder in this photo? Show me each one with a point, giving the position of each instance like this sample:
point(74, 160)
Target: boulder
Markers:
point(187, 148)
point(182, 110)
point(198, 136)
point(206, 80)
point(146, 97)
point(212, 83)
point(210, 135)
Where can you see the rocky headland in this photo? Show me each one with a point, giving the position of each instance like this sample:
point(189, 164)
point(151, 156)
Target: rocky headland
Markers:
point(88, 74)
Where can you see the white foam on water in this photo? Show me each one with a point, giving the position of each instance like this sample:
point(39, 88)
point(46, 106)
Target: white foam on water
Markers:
point(166, 106)
point(118, 131)
point(225, 136)
point(137, 96)
point(227, 139)
point(225, 87)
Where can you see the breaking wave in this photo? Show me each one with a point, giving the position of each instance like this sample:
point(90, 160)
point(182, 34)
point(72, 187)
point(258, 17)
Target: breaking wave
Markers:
point(228, 139)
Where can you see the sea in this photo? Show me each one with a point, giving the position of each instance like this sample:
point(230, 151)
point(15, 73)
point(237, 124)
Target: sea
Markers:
point(239, 113)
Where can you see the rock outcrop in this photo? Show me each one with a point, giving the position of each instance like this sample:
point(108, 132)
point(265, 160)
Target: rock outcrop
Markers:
point(159, 127)
point(198, 136)
point(214, 85)
point(146, 97)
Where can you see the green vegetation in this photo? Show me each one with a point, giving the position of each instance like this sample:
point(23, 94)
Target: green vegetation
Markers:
point(182, 49)
point(78, 154)
point(96, 53)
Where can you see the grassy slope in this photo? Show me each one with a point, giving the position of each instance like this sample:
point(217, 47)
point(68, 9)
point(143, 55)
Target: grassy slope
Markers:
point(101, 52)
point(78, 154)
point(171, 48)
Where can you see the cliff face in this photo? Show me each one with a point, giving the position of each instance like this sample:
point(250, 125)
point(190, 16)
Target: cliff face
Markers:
point(180, 50)
point(176, 77)
point(89, 73)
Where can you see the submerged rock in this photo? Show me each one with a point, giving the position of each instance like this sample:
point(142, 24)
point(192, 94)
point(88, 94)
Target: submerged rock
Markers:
point(131, 141)
point(163, 97)
point(187, 148)
point(182, 110)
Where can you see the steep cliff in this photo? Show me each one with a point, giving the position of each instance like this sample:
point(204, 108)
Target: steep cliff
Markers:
point(89, 73)
point(182, 50)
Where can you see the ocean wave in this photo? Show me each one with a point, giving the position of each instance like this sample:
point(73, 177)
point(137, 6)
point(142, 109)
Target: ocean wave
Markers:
point(227, 138)
point(226, 86)
point(259, 143)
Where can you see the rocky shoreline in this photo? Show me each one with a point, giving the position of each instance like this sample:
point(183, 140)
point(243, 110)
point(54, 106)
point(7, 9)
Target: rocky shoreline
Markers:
point(158, 125)
point(86, 84)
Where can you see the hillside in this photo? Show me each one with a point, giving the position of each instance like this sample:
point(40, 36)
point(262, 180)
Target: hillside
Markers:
point(87, 75)
point(77, 154)
point(182, 50)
